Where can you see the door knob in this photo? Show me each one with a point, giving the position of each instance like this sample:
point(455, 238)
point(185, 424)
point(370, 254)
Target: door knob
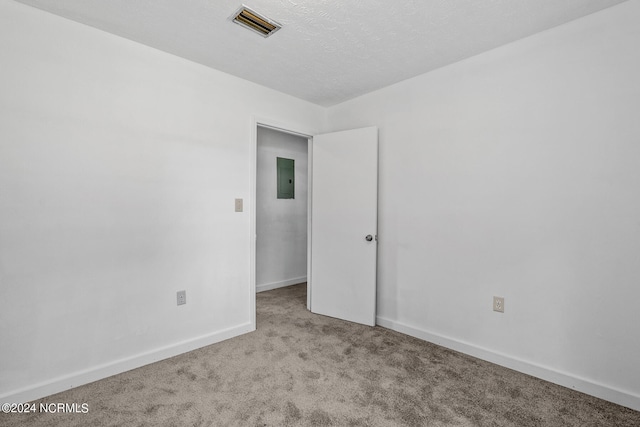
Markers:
point(369, 237)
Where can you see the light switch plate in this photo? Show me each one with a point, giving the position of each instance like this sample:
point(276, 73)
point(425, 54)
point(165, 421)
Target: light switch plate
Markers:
point(239, 205)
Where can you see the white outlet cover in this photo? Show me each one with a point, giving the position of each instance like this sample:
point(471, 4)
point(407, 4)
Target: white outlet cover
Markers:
point(498, 304)
point(181, 297)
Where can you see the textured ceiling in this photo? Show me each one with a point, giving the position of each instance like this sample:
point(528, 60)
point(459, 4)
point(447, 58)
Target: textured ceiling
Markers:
point(328, 51)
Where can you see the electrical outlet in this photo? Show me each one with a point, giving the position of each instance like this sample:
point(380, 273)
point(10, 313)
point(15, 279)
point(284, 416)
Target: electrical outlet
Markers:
point(498, 304)
point(238, 205)
point(182, 297)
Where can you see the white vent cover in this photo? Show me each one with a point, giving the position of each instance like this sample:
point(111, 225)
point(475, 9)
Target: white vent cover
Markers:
point(255, 22)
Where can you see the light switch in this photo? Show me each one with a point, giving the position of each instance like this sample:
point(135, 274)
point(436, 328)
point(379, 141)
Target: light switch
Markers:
point(238, 205)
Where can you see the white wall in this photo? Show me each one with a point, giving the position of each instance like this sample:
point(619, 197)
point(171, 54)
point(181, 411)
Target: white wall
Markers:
point(119, 165)
point(281, 224)
point(516, 173)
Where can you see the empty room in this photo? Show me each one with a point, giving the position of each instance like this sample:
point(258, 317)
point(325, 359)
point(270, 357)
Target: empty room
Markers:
point(272, 213)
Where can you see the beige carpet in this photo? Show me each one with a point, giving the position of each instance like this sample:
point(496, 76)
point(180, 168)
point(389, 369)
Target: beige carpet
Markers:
point(303, 369)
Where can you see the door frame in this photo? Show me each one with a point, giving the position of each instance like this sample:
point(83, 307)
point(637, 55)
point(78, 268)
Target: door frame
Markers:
point(291, 129)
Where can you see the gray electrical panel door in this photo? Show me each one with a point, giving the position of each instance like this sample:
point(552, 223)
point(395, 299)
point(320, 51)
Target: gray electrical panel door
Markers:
point(286, 178)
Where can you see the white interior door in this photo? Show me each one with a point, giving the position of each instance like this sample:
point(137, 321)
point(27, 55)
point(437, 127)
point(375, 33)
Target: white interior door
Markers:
point(344, 216)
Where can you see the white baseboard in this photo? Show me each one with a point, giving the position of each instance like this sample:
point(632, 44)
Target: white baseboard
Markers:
point(586, 386)
point(37, 391)
point(281, 284)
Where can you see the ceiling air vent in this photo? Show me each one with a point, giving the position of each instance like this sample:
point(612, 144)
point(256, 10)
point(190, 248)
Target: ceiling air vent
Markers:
point(255, 22)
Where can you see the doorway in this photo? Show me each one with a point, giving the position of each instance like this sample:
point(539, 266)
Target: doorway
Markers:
point(341, 269)
point(281, 208)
